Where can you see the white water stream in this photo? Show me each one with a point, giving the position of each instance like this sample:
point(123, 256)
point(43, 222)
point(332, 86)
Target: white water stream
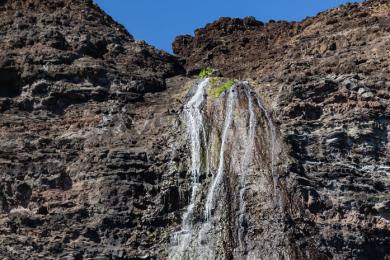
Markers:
point(217, 180)
point(195, 124)
point(193, 116)
point(245, 166)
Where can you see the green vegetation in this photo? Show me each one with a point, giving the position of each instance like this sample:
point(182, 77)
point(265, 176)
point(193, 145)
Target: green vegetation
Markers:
point(214, 82)
point(206, 72)
point(217, 85)
point(216, 92)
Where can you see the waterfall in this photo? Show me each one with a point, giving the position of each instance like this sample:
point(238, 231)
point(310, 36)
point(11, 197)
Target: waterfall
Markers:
point(234, 134)
point(217, 180)
point(195, 124)
point(193, 117)
point(246, 161)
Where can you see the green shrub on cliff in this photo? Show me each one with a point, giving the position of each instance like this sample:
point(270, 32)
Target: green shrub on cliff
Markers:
point(216, 92)
point(206, 72)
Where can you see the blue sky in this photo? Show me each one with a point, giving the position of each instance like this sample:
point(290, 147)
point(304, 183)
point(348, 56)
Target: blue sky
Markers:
point(159, 21)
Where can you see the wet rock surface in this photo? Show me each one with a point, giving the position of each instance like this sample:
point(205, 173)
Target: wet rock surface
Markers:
point(94, 159)
point(236, 158)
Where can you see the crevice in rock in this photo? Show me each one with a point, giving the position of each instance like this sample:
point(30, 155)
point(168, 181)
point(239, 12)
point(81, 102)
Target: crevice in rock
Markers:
point(10, 83)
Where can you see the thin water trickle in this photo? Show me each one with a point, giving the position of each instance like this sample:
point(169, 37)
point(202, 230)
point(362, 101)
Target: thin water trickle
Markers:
point(217, 180)
point(245, 167)
point(273, 145)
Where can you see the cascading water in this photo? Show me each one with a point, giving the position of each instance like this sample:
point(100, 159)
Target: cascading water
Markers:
point(196, 129)
point(217, 179)
point(194, 119)
point(246, 161)
point(238, 150)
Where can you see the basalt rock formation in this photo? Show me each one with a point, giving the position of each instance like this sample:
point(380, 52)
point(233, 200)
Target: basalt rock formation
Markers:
point(109, 150)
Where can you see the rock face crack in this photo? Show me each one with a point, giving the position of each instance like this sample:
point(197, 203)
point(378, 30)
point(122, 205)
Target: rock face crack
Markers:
point(10, 83)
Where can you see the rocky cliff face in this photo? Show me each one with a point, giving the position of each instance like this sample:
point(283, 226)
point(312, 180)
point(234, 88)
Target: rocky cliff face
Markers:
point(95, 158)
point(86, 121)
point(326, 82)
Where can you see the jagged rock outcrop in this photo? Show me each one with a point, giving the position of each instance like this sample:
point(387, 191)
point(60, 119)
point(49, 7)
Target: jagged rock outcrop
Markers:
point(95, 160)
point(57, 53)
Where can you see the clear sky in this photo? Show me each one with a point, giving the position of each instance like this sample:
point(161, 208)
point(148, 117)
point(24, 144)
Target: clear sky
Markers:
point(159, 21)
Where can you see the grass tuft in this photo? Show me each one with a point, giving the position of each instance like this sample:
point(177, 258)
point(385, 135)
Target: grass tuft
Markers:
point(216, 92)
point(206, 72)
